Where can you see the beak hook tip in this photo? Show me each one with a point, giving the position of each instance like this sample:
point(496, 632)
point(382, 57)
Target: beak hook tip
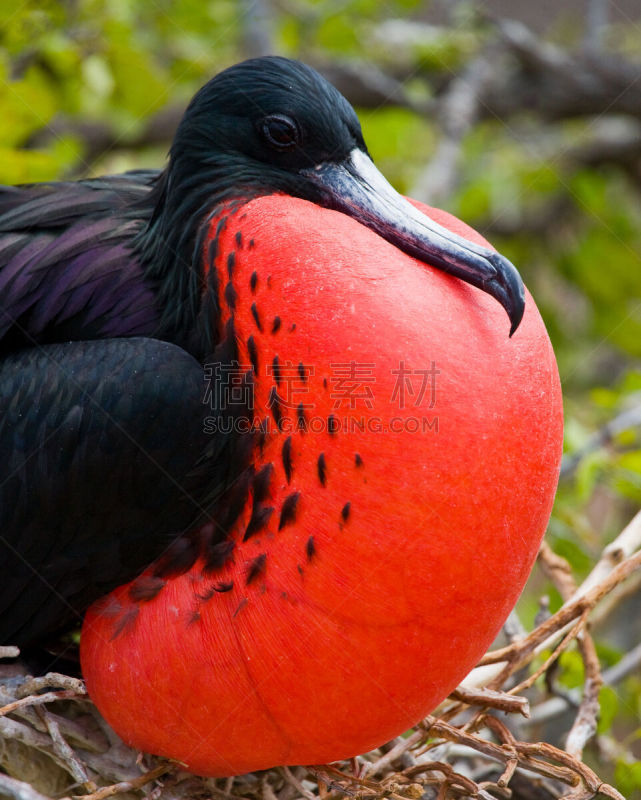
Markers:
point(516, 315)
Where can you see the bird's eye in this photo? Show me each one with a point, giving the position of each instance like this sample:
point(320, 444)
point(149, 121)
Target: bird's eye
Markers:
point(281, 132)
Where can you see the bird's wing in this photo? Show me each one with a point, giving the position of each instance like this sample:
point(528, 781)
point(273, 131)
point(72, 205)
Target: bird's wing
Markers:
point(105, 460)
point(67, 270)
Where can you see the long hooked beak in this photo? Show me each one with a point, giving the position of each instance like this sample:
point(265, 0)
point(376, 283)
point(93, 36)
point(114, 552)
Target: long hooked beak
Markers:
point(358, 189)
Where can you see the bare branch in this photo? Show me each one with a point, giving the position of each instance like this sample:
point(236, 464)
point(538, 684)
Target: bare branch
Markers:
point(615, 554)
point(559, 85)
point(18, 790)
point(628, 664)
point(596, 22)
point(127, 786)
point(557, 570)
point(489, 698)
point(39, 699)
point(585, 724)
point(65, 752)
point(513, 627)
point(33, 685)
point(396, 752)
point(258, 25)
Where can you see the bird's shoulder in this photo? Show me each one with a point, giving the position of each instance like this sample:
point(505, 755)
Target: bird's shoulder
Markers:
point(67, 266)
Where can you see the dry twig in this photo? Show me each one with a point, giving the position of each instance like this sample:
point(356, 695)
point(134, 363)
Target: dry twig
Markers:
point(39, 699)
point(490, 698)
point(127, 786)
point(585, 724)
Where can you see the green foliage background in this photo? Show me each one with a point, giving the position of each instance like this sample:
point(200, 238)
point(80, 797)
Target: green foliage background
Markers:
point(119, 62)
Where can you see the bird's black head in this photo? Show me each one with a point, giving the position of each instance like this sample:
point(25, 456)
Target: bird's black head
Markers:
point(275, 125)
point(265, 120)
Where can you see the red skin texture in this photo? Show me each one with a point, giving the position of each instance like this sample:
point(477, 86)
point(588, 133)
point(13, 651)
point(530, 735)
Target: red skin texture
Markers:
point(399, 601)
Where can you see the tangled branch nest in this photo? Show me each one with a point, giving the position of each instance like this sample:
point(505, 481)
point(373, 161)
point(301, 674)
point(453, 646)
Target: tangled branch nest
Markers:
point(54, 743)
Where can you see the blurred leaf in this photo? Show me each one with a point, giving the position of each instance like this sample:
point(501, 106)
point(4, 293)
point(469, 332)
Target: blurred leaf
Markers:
point(28, 166)
point(568, 547)
point(572, 673)
point(588, 473)
point(26, 105)
point(604, 397)
point(148, 92)
point(628, 778)
point(399, 142)
point(337, 34)
point(608, 708)
point(22, 31)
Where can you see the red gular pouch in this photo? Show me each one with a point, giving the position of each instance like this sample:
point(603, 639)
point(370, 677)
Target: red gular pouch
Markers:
point(408, 458)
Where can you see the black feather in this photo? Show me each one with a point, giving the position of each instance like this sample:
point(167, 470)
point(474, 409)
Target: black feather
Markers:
point(322, 469)
point(288, 510)
point(287, 458)
point(256, 568)
point(256, 316)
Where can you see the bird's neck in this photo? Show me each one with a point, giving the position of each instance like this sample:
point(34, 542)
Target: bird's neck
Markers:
point(186, 199)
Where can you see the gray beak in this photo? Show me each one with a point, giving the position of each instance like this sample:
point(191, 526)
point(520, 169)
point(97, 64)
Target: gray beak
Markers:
point(358, 189)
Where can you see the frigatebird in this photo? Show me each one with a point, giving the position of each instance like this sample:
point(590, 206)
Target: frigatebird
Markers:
point(127, 302)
